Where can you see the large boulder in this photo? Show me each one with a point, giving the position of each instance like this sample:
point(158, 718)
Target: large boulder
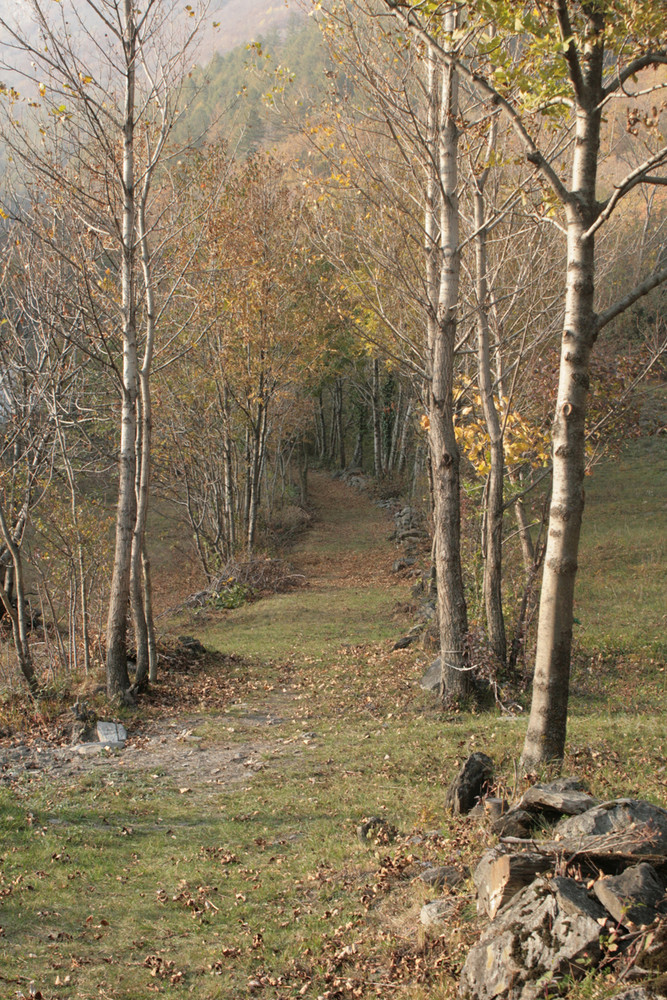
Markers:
point(549, 930)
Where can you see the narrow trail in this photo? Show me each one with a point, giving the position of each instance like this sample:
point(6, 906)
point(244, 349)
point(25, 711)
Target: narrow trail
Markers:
point(348, 542)
point(345, 559)
point(347, 600)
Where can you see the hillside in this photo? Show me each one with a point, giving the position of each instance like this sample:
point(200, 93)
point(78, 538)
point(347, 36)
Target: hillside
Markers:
point(261, 94)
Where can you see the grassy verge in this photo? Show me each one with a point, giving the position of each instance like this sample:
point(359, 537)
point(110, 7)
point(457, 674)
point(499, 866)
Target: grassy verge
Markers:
point(118, 883)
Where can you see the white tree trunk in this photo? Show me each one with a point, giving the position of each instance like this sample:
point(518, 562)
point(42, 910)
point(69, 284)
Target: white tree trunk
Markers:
point(116, 666)
point(443, 279)
point(545, 738)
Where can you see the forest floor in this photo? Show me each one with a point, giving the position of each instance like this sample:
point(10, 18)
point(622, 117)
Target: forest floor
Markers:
point(217, 856)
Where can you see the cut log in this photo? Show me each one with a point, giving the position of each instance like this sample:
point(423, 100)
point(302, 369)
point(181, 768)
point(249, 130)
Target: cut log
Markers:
point(501, 874)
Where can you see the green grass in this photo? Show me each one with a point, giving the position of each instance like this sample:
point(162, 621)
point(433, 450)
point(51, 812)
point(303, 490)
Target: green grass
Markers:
point(622, 579)
point(304, 623)
point(133, 889)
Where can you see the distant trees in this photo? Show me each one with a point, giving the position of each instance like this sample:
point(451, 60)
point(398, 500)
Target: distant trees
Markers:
point(245, 404)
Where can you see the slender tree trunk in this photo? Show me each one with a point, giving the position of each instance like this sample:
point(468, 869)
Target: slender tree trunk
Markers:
point(322, 428)
point(339, 423)
point(153, 658)
point(376, 397)
point(303, 474)
point(402, 447)
point(136, 584)
point(228, 487)
point(358, 457)
point(116, 666)
point(18, 613)
point(395, 431)
point(443, 271)
point(140, 576)
point(492, 534)
point(523, 527)
point(545, 738)
point(257, 466)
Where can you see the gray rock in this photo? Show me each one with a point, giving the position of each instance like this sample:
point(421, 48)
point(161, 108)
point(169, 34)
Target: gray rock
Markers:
point(111, 732)
point(639, 826)
point(470, 784)
point(548, 929)
point(634, 896)
point(90, 749)
point(399, 565)
point(515, 823)
point(432, 679)
point(556, 797)
point(434, 915)
point(444, 875)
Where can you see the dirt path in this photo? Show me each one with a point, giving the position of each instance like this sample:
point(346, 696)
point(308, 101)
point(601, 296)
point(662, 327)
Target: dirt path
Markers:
point(348, 543)
point(344, 553)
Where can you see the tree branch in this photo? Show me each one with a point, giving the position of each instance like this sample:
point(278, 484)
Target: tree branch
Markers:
point(619, 307)
point(571, 56)
point(643, 62)
point(533, 154)
point(635, 177)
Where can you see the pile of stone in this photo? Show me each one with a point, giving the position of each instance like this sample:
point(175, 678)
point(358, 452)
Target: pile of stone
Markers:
point(410, 535)
point(592, 891)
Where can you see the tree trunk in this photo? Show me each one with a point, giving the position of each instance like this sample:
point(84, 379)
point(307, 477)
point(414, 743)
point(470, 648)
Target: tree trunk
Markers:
point(136, 583)
point(403, 443)
point(150, 620)
point(18, 613)
point(545, 738)
point(358, 457)
point(492, 534)
point(339, 423)
point(378, 459)
point(443, 270)
point(140, 574)
point(116, 667)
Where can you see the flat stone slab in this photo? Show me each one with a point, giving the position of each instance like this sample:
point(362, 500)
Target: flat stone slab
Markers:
point(111, 732)
point(554, 797)
point(88, 749)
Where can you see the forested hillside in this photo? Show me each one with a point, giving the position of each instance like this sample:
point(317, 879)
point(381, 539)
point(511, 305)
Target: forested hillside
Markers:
point(257, 94)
